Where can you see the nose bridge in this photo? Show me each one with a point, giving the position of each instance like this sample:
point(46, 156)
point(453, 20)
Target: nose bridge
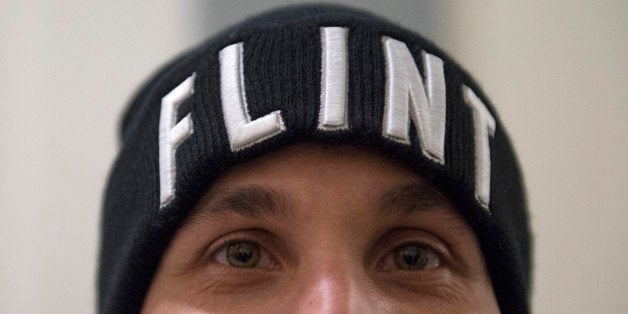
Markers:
point(325, 294)
point(325, 290)
point(331, 285)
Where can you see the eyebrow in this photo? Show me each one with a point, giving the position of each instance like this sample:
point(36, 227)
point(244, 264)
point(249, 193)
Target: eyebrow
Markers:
point(256, 202)
point(409, 199)
point(247, 201)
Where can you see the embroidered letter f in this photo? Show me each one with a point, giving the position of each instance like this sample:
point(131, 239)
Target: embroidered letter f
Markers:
point(171, 135)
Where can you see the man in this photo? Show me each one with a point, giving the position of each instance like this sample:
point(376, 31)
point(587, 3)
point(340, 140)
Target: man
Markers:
point(314, 159)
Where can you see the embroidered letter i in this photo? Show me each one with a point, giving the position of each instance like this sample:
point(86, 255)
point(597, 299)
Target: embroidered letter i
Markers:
point(171, 135)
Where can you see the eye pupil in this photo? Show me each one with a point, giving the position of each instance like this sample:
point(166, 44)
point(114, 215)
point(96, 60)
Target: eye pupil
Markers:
point(411, 257)
point(243, 254)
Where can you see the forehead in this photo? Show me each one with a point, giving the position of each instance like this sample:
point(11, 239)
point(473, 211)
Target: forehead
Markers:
point(305, 165)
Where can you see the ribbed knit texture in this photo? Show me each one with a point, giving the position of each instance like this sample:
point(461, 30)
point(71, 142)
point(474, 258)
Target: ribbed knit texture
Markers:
point(282, 70)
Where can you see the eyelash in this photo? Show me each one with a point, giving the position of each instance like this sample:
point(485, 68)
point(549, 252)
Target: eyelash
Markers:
point(421, 244)
point(229, 241)
point(379, 264)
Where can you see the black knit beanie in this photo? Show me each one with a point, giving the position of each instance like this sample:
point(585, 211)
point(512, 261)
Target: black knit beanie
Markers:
point(316, 73)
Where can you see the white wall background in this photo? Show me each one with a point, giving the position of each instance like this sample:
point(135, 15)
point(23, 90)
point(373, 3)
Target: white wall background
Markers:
point(556, 70)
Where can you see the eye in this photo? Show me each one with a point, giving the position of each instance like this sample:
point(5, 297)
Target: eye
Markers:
point(412, 257)
point(243, 254)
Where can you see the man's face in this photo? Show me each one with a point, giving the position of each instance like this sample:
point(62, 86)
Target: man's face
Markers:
point(315, 228)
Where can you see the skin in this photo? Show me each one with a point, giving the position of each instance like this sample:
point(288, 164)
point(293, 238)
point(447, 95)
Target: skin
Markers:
point(327, 223)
